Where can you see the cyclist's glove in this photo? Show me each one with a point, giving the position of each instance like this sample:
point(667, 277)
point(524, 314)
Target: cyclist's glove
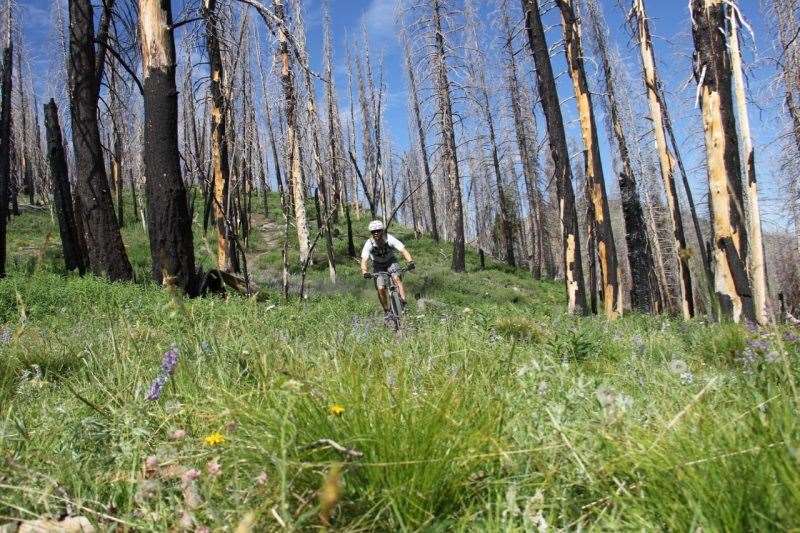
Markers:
point(367, 275)
point(411, 265)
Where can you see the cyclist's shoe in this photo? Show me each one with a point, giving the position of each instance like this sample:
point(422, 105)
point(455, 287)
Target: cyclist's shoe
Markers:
point(367, 275)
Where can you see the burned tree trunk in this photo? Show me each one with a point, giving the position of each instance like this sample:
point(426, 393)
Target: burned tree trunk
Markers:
point(606, 247)
point(644, 284)
point(295, 166)
point(712, 72)
point(423, 146)
point(170, 226)
point(573, 268)
point(106, 250)
point(227, 255)
point(756, 262)
point(28, 187)
point(116, 165)
point(5, 152)
point(449, 156)
point(74, 258)
point(665, 159)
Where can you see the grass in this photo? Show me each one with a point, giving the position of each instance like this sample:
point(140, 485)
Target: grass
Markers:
point(493, 410)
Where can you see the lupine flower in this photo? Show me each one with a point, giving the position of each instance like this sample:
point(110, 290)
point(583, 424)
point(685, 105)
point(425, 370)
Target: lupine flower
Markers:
point(170, 360)
point(168, 364)
point(157, 387)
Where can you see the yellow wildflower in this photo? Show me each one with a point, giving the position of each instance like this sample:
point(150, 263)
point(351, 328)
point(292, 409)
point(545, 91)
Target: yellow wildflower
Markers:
point(215, 439)
point(336, 409)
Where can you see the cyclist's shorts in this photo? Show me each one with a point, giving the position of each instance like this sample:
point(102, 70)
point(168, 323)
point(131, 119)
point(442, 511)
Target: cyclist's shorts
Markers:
point(382, 282)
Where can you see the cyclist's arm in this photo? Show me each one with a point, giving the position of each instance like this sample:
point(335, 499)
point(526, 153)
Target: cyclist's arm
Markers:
point(365, 257)
point(406, 255)
point(400, 247)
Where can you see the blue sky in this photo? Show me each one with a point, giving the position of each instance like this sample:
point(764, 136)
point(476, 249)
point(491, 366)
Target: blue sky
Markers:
point(670, 25)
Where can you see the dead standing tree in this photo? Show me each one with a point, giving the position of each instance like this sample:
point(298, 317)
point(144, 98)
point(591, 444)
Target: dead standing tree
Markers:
point(712, 71)
point(476, 69)
point(5, 150)
point(227, 254)
point(573, 268)
point(449, 156)
point(74, 258)
point(756, 262)
point(527, 147)
point(644, 290)
point(606, 247)
point(657, 108)
point(169, 226)
point(106, 250)
point(413, 94)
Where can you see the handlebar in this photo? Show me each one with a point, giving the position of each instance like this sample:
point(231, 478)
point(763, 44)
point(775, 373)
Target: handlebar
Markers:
point(400, 270)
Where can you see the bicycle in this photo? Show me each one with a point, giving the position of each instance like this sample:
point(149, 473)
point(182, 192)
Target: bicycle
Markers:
point(396, 306)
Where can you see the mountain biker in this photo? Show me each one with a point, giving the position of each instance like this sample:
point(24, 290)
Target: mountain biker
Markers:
point(381, 249)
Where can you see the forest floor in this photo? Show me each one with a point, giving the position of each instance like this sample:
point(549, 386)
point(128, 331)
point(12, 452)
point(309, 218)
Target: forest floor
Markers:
point(492, 410)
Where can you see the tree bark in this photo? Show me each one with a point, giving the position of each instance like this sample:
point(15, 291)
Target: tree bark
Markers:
point(665, 160)
point(74, 258)
point(5, 151)
point(449, 154)
point(227, 258)
point(107, 255)
point(606, 247)
point(756, 262)
point(640, 257)
point(295, 167)
point(170, 226)
point(712, 72)
point(28, 186)
point(573, 268)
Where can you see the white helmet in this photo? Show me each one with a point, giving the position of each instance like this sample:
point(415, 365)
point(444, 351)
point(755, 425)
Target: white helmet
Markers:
point(376, 225)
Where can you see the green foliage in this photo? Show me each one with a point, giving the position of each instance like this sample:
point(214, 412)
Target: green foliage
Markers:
point(492, 410)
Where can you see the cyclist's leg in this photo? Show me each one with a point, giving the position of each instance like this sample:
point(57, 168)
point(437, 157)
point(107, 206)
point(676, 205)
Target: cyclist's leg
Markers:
point(383, 292)
point(398, 281)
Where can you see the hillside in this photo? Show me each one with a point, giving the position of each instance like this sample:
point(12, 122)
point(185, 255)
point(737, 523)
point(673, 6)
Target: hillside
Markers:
point(491, 410)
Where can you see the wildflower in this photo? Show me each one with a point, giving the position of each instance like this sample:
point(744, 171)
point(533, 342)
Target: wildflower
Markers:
point(178, 434)
point(157, 387)
point(190, 475)
point(262, 478)
point(168, 364)
point(214, 439)
point(151, 464)
point(687, 378)
point(231, 426)
point(213, 468)
point(336, 409)
point(170, 360)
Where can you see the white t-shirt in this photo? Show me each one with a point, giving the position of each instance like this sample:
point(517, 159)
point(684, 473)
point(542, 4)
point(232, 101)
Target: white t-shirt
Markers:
point(391, 240)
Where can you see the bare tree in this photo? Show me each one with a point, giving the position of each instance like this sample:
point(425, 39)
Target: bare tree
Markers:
point(449, 157)
point(756, 262)
point(652, 85)
point(573, 268)
point(712, 70)
point(413, 94)
point(107, 254)
point(644, 287)
point(74, 256)
point(5, 148)
point(169, 226)
point(606, 248)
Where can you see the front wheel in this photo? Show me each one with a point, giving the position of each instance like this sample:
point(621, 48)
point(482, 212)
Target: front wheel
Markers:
point(397, 304)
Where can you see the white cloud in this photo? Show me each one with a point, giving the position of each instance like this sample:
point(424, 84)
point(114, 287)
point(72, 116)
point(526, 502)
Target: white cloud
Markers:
point(379, 19)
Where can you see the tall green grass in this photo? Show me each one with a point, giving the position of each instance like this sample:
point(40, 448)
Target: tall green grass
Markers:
point(492, 410)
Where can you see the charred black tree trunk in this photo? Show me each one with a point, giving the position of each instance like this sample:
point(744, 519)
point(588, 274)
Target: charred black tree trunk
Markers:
point(5, 153)
point(573, 268)
point(169, 227)
point(107, 254)
point(74, 258)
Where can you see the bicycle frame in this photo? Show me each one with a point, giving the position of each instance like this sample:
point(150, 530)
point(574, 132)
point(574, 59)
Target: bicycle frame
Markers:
point(395, 305)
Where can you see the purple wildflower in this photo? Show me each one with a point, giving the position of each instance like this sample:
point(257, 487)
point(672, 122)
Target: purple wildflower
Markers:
point(157, 386)
point(170, 360)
